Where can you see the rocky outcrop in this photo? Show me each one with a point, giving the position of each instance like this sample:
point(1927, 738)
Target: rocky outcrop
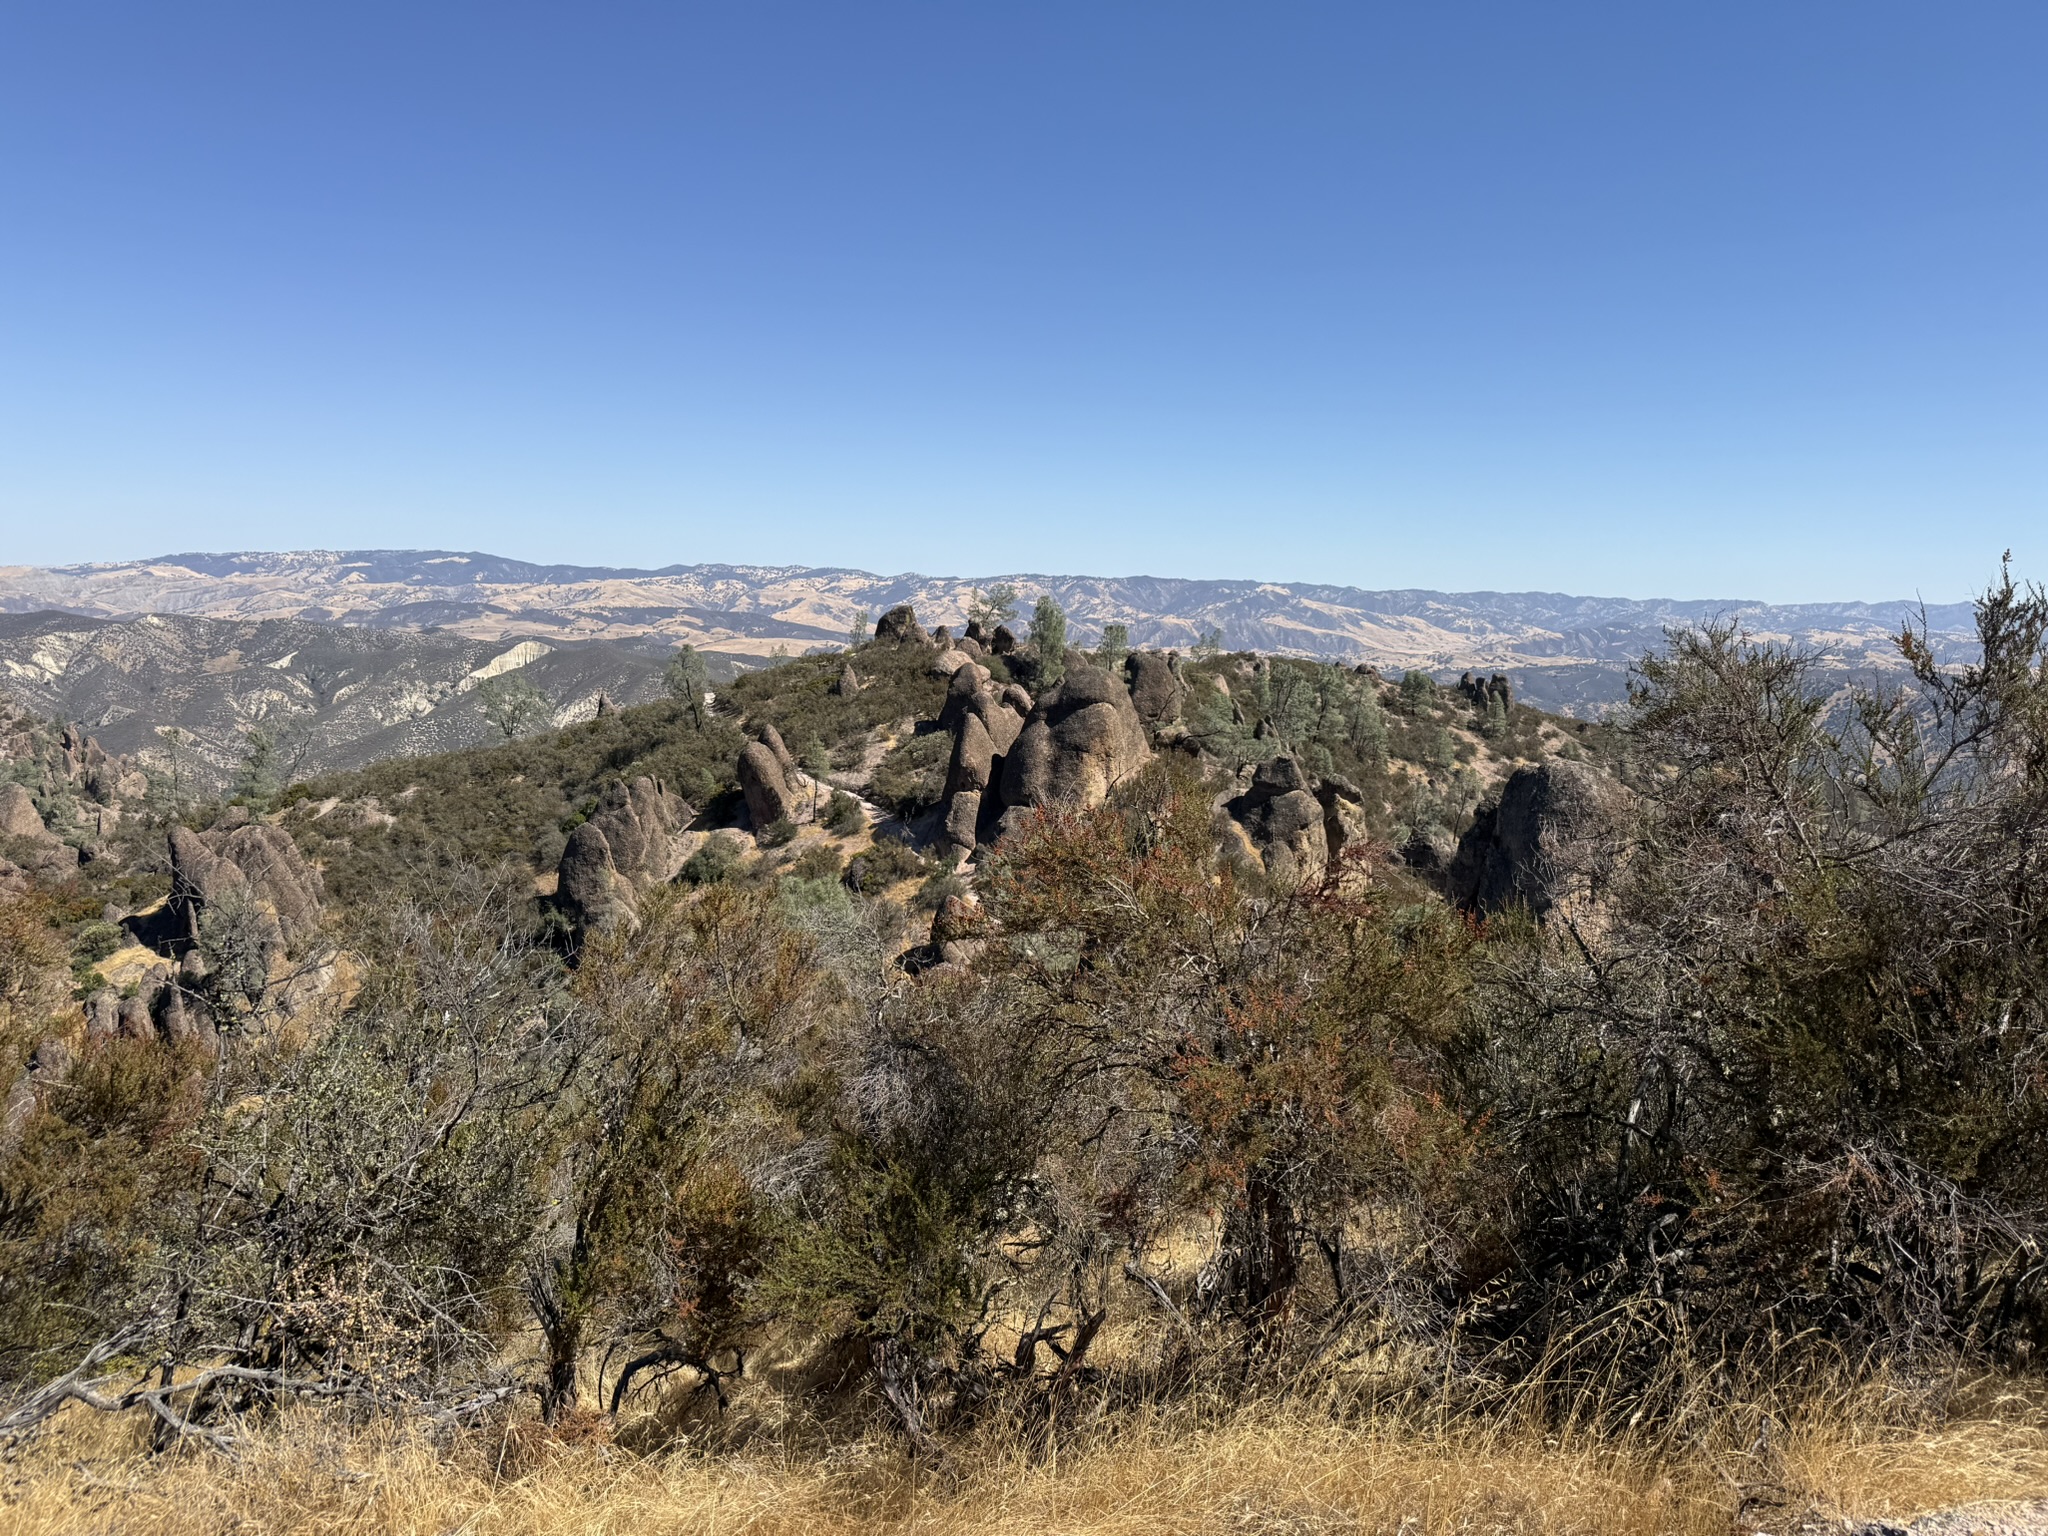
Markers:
point(631, 843)
point(959, 933)
point(1481, 691)
point(985, 725)
point(899, 626)
point(1556, 833)
point(1157, 692)
point(765, 786)
point(849, 683)
point(1282, 819)
point(771, 738)
point(1004, 641)
point(249, 865)
point(1082, 739)
point(18, 814)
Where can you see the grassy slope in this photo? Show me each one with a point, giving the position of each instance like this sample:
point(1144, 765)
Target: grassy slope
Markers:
point(1267, 1470)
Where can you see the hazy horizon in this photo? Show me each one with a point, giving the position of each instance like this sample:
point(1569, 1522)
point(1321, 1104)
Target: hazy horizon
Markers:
point(636, 569)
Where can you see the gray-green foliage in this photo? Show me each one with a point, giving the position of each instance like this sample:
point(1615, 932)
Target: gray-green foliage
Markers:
point(513, 704)
point(1049, 639)
point(687, 681)
point(1327, 716)
point(998, 605)
point(1116, 645)
point(261, 774)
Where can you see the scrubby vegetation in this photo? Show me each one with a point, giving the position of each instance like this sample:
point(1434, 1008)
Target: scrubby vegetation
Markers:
point(1147, 1135)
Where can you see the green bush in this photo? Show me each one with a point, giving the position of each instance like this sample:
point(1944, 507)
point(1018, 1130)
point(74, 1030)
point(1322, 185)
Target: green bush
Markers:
point(820, 861)
point(843, 814)
point(912, 778)
point(777, 833)
point(712, 863)
point(937, 886)
point(883, 865)
point(95, 941)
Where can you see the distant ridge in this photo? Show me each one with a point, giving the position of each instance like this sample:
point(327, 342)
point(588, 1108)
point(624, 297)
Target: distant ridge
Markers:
point(1569, 652)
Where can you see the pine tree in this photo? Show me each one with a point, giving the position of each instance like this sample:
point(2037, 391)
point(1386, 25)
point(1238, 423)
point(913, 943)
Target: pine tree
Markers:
point(1116, 645)
point(687, 682)
point(1049, 638)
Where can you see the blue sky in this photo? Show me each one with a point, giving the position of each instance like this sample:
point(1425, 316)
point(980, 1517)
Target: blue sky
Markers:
point(1731, 300)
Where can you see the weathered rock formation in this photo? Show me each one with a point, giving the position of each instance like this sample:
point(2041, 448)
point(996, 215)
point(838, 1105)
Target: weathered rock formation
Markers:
point(1157, 692)
point(249, 865)
point(765, 785)
point(1555, 834)
point(1004, 641)
point(1083, 737)
point(771, 738)
point(18, 814)
point(631, 843)
point(985, 725)
point(1282, 819)
point(899, 626)
point(1481, 691)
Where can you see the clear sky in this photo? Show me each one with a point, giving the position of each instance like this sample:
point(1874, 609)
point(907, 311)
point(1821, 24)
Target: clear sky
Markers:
point(1634, 299)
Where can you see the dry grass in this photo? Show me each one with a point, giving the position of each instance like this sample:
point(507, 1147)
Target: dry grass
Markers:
point(1262, 1471)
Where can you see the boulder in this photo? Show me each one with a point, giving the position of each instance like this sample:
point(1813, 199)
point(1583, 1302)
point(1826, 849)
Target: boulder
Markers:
point(18, 814)
point(963, 819)
point(643, 824)
point(1157, 692)
point(202, 880)
point(1019, 700)
point(587, 883)
point(132, 1019)
point(950, 661)
point(102, 1016)
point(1081, 739)
point(973, 754)
point(762, 782)
point(958, 931)
point(1344, 818)
point(771, 738)
point(899, 626)
point(849, 684)
point(1429, 850)
point(1002, 720)
point(1282, 819)
point(631, 843)
point(277, 874)
point(1004, 641)
point(942, 637)
point(961, 690)
point(970, 645)
point(1556, 832)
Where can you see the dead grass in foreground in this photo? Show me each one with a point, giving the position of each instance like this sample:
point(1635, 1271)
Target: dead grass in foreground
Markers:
point(1262, 1474)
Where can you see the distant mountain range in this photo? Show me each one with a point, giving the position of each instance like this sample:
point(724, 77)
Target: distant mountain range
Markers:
point(237, 633)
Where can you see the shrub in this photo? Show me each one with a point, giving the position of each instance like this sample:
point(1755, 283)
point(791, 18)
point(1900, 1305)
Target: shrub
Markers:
point(777, 833)
point(883, 865)
point(843, 814)
point(912, 778)
point(937, 887)
point(712, 863)
point(820, 861)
